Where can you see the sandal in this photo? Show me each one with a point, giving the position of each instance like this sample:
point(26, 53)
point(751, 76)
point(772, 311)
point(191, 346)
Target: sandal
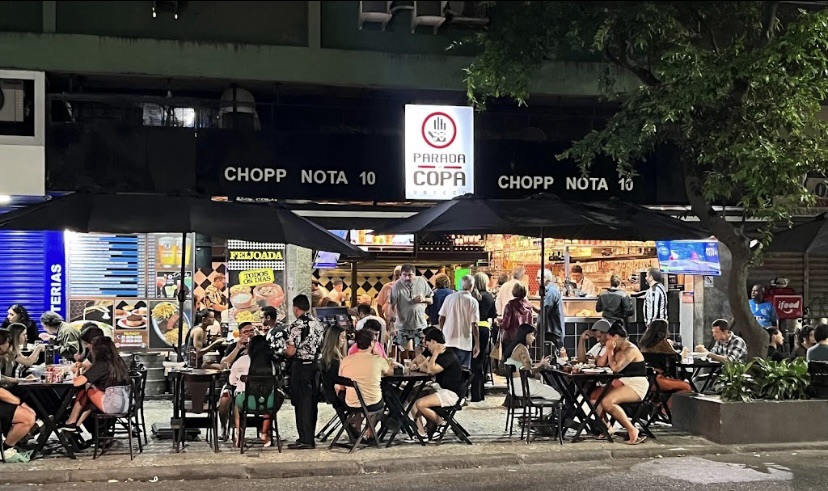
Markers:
point(638, 441)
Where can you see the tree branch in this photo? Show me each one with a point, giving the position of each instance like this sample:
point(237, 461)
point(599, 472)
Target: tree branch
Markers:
point(646, 76)
point(769, 21)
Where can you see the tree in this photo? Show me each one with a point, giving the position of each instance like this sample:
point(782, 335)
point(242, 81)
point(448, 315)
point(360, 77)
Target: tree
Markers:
point(736, 87)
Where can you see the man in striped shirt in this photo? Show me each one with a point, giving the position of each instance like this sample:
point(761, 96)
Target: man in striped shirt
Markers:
point(655, 298)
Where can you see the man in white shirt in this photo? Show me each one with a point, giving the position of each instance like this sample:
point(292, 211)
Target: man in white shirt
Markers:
point(504, 295)
point(582, 283)
point(459, 319)
point(599, 332)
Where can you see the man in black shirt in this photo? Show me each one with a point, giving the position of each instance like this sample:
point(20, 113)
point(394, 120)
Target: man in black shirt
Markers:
point(231, 354)
point(446, 368)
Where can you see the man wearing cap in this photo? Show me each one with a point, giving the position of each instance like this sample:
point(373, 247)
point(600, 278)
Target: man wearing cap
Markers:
point(60, 334)
point(599, 332)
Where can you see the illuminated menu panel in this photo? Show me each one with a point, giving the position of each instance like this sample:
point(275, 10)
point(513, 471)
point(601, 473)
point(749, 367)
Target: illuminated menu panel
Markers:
point(107, 265)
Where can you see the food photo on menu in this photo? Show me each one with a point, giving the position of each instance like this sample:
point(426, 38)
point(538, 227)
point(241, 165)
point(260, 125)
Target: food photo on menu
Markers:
point(164, 317)
point(82, 311)
point(131, 314)
point(246, 301)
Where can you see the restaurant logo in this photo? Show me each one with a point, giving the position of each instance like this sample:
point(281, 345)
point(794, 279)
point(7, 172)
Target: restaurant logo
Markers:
point(257, 256)
point(788, 306)
point(439, 151)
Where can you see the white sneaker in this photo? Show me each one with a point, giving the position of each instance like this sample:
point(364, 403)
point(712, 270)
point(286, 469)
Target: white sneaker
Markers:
point(9, 453)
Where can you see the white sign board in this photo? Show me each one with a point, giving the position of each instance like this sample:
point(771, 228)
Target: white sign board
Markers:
point(439, 151)
point(22, 133)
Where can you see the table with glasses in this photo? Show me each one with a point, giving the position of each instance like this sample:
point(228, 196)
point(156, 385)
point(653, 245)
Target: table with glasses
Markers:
point(691, 371)
point(180, 421)
point(396, 390)
point(576, 389)
point(40, 395)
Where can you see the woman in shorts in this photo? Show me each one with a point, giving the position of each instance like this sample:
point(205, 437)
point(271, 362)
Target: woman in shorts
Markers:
point(449, 387)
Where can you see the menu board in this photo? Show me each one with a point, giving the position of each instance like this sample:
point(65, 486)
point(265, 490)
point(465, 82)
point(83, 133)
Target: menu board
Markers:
point(103, 265)
point(256, 278)
point(131, 323)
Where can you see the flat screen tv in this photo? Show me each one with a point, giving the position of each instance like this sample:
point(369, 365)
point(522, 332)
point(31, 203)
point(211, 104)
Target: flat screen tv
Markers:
point(325, 260)
point(694, 257)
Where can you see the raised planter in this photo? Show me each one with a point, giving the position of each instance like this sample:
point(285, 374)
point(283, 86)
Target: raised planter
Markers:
point(751, 422)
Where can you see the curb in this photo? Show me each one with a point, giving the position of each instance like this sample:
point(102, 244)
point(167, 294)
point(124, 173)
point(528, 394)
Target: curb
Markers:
point(288, 470)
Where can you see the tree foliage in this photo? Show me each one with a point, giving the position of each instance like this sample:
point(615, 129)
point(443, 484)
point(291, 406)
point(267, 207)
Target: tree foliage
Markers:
point(737, 87)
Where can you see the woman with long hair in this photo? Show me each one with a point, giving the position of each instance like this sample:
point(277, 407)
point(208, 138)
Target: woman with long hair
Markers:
point(258, 362)
point(486, 304)
point(17, 342)
point(108, 371)
point(18, 314)
point(625, 359)
point(655, 340)
point(330, 355)
point(517, 355)
point(517, 312)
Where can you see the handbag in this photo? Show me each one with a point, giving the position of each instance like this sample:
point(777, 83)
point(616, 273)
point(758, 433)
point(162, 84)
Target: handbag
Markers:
point(116, 399)
point(497, 351)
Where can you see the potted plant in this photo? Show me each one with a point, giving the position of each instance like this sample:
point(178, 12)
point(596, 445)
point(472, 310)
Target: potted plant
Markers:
point(754, 398)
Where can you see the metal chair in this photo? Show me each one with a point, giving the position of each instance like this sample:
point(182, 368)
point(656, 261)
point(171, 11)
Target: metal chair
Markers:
point(532, 417)
point(140, 421)
point(448, 413)
point(260, 388)
point(112, 418)
point(349, 416)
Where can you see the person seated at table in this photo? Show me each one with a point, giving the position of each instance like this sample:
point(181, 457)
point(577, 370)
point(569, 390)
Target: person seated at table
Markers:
point(374, 327)
point(60, 334)
point(775, 344)
point(231, 355)
point(196, 343)
point(365, 367)
point(17, 419)
point(804, 340)
point(655, 340)
point(330, 356)
point(728, 347)
point(108, 370)
point(598, 331)
point(448, 389)
point(18, 314)
point(17, 342)
point(819, 351)
point(258, 362)
point(89, 333)
point(517, 355)
point(625, 359)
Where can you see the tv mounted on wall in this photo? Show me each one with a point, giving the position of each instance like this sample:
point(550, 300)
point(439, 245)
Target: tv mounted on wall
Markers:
point(694, 257)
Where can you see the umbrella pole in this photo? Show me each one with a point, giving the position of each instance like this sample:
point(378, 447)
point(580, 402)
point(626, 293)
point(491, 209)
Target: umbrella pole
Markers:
point(182, 296)
point(542, 291)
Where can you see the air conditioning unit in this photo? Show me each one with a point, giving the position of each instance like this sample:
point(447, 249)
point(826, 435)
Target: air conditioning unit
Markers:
point(375, 12)
point(428, 14)
point(12, 95)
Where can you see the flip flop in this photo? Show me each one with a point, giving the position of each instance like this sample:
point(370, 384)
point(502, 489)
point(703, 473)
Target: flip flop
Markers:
point(641, 439)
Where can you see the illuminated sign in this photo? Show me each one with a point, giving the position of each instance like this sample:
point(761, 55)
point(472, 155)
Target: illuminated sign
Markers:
point(439, 151)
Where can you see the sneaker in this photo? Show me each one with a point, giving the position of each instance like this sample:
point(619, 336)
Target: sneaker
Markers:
point(9, 453)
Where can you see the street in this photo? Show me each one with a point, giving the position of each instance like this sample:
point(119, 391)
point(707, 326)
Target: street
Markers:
point(768, 472)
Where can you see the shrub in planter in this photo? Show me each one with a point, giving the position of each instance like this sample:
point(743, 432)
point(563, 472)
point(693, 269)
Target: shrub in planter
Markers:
point(763, 379)
point(735, 383)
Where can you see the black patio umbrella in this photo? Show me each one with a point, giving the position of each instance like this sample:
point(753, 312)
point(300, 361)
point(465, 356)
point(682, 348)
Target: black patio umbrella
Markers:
point(147, 213)
point(810, 237)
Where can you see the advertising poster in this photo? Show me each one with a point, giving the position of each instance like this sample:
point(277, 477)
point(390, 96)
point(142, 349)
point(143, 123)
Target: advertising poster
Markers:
point(164, 265)
point(131, 324)
point(256, 278)
point(163, 320)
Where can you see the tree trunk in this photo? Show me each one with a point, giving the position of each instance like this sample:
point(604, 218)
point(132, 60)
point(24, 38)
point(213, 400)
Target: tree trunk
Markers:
point(739, 246)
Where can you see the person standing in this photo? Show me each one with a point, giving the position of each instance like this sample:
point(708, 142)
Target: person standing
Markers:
point(63, 336)
point(614, 303)
point(337, 295)
point(516, 313)
point(480, 366)
point(459, 319)
point(581, 282)
point(409, 298)
point(384, 296)
point(504, 295)
point(303, 344)
point(762, 310)
point(441, 292)
point(655, 297)
point(214, 296)
point(552, 308)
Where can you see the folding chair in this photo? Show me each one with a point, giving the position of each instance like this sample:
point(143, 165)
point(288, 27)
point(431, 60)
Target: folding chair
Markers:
point(448, 413)
point(532, 417)
point(127, 417)
point(513, 398)
point(667, 364)
point(258, 389)
point(646, 411)
point(349, 415)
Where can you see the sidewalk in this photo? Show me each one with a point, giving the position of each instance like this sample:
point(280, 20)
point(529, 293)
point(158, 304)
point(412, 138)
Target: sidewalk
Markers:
point(492, 447)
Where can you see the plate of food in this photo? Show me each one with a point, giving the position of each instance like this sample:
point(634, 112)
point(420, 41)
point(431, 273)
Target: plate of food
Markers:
point(165, 318)
point(133, 321)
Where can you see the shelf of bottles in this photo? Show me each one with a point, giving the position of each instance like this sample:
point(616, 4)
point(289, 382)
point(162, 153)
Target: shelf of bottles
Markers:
point(451, 243)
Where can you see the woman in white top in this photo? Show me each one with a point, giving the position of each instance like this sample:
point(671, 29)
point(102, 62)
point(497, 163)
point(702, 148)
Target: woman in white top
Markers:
point(518, 356)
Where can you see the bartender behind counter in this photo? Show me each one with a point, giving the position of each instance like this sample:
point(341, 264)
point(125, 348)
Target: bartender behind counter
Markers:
point(582, 283)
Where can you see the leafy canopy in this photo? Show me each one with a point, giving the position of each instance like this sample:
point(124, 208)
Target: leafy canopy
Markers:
point(735, 86)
